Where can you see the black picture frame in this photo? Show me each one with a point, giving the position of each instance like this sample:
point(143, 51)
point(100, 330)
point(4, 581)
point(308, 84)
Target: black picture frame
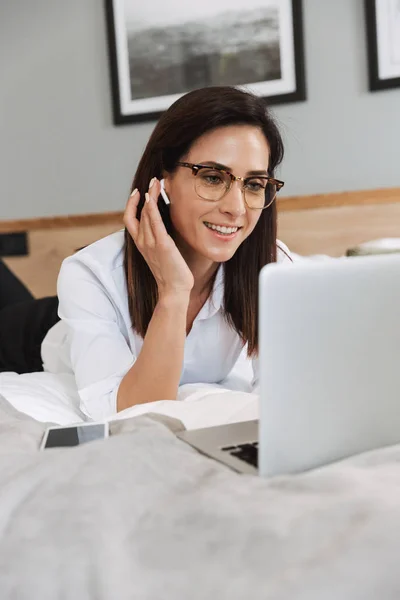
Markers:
point(120, 117)
point(377, 81)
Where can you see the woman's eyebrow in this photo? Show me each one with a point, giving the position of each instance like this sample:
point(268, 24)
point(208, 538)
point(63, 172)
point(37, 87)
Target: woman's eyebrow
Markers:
point(264, 173)
point(226, 168)
point(212, 163)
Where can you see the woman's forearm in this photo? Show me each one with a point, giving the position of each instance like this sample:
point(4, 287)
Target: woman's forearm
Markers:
point(156, 373)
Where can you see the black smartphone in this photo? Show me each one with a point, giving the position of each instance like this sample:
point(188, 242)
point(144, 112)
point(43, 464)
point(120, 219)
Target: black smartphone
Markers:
point(73, 435)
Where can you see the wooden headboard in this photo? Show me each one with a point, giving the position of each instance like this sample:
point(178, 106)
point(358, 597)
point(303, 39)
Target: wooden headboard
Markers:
point(331, 224)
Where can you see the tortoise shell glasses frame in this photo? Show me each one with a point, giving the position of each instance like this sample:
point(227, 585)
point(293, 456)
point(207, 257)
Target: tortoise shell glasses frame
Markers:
point(196, 169)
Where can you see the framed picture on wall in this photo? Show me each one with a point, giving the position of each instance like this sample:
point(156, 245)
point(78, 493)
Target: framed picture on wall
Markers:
point(161, 50)
point(383, 39)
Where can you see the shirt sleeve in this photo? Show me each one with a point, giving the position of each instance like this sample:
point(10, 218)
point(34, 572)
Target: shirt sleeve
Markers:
point(99, 353)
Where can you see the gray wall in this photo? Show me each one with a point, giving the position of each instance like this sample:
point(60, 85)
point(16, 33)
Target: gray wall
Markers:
point(60, 153)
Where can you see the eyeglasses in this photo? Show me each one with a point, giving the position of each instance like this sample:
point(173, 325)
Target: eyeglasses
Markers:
point(212, 183)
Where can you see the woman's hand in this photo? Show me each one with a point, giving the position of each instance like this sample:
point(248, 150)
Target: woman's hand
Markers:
point(159, 250)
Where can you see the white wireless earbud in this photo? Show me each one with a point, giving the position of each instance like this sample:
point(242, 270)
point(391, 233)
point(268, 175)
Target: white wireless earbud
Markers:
point(163, 192)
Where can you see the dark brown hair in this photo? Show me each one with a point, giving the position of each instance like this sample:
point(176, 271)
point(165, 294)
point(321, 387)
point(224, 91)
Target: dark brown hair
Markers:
point(179, 127)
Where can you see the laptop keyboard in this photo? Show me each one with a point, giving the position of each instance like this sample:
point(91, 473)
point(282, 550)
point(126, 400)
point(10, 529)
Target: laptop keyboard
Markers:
point(247, 452)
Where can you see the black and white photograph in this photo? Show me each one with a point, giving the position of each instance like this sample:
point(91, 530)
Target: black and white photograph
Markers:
point(383, 38)
point(160, 50)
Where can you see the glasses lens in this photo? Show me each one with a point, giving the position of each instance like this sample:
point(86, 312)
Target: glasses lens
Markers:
point(259, 193)
point(211, 184)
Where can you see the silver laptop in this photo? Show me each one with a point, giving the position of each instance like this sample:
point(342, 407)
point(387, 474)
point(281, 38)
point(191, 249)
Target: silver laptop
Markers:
point(329, 368)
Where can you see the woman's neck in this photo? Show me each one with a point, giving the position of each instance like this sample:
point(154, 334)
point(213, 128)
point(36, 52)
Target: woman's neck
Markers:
point(203, 277)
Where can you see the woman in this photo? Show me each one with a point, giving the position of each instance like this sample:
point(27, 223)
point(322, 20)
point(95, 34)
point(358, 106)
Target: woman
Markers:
point(173, 300)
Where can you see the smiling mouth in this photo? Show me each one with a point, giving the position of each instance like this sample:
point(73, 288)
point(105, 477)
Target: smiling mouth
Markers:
point(222, 228)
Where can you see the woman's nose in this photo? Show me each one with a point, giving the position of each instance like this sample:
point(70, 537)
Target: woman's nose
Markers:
point(233, 202)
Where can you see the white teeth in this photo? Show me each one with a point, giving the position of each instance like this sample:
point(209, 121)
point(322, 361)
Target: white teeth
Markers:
point(221, 229)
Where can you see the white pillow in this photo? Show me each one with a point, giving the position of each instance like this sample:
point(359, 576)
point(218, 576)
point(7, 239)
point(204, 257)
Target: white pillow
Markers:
point(43, 396)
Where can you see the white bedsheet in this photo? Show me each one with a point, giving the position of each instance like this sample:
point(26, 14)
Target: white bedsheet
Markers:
point(43, 396)
point(54, 398)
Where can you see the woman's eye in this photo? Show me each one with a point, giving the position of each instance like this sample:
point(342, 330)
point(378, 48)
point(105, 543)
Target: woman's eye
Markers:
point(212, 178)
point(255, 186)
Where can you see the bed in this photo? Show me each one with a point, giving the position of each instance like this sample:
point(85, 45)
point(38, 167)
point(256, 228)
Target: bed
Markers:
point(143, 515)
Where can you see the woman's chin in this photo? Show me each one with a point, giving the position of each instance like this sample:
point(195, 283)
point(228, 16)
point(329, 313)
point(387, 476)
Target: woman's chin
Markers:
point(218, 254)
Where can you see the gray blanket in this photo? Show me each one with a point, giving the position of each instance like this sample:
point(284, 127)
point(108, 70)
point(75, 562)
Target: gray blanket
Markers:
point(143, 516)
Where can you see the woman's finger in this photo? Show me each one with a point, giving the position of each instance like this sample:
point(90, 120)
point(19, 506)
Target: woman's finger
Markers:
point(158, 228)
point(157, 224)
point(146, 233)
point(131, 221)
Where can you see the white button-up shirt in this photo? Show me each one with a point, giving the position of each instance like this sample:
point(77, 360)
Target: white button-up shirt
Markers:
point(95, 340)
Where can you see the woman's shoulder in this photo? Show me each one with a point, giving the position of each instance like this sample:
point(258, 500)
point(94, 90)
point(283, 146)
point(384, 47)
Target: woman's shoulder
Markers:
point(108, 251)
point(99, 260)
point(282, 253)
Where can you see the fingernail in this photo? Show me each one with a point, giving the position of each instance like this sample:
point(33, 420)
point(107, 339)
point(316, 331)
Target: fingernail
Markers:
point(147, 197)
point(152, 183)
point(134, 192)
